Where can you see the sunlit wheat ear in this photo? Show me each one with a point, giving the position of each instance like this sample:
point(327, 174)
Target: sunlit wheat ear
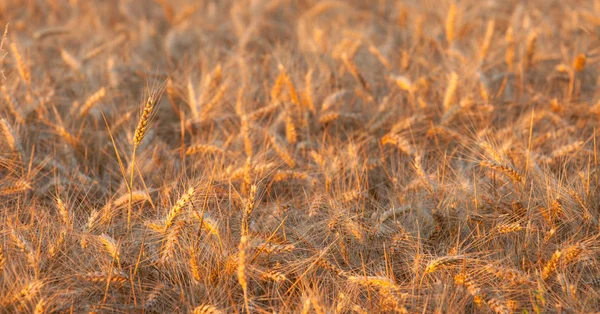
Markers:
point(194, 267)
point(272, 275)
point(398, 141)
point(374, 281)
point(71, 61)
point(530, 50)
point(511, 173)
point(206, 309)
point(12, 105)
point(487, 39)
point(155, 294)
point(213, 101)
point(282, 152)
point(102, 277)
point(509, 56)
point(29, 291)
point(450, 91)
point(505, 228)
point(2, 260)
point(208, 224)
point(170, 242)
point(41, 307)
point(140, 132)
point(245, 130)
point(50, 31)
point(111, 246)
point(10, 136)
point(21, 66)
point(281, 81)
point(450, 21)
point(66, 135)
point(355, 72)
point(579, 62)
point(473, 289)
point(444, 261)
point(144, 122)
point(290, 130)
point(55, 246)
point(509, 274)
point(63, 211)
point(308, 92)
point(551, 265)
point(566, 150)
point(91, 101)
point(491, 151)
point(182, 202)
point(24, 246)
point(204, 149)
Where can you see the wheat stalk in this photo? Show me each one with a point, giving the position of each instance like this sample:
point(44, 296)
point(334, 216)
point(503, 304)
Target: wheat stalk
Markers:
point(241, 268)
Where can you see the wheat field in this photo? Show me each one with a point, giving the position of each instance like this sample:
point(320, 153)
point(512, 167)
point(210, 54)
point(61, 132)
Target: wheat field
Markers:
point(299, 156)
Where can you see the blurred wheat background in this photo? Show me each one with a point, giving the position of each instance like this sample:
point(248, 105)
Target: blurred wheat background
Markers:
point(299, 156)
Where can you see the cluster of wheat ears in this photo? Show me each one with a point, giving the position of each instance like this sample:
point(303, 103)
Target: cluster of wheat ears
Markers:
point(299, 156)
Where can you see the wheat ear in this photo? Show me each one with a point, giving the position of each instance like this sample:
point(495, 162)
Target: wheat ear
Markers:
point(138, 136)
